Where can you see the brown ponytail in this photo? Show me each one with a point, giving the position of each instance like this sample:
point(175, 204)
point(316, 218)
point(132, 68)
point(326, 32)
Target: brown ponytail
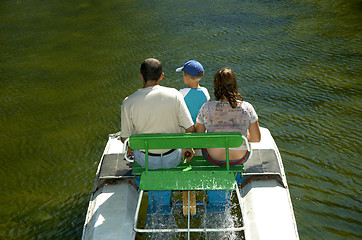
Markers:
point(226, 87)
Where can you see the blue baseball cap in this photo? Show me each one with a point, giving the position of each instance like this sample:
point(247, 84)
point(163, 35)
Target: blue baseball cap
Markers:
point(193, 68)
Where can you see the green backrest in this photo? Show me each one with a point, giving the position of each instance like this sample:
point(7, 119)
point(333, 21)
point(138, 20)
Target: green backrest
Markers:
point(186, 140)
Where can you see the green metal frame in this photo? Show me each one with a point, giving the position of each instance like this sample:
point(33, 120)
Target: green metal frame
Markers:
point(200, 175)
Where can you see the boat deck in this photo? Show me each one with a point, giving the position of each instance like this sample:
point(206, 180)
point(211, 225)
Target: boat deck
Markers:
point(263, 163)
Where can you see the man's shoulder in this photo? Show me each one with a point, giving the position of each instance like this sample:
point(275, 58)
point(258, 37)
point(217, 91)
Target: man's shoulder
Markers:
point(164, 88)
point(133, 95)
point(169, 91)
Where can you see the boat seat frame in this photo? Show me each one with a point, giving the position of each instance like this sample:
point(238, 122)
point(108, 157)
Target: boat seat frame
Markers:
point(200, 176)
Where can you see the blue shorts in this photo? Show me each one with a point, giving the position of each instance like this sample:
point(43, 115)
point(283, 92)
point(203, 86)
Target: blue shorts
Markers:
point(167, 160)
point(212, 161)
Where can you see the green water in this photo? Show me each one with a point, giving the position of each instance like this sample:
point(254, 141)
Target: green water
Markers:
point(65, 67)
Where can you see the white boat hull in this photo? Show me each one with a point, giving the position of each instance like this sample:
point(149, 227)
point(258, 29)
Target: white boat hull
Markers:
point(266, 205)
point(111, 213)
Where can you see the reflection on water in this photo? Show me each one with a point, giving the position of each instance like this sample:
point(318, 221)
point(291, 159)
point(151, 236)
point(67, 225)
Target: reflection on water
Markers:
point(66, 66)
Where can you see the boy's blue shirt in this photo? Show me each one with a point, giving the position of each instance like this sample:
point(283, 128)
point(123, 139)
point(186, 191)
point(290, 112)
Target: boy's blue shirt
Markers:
point(195, 98)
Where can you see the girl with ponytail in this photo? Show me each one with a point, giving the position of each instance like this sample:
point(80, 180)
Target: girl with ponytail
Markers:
point(229, 113)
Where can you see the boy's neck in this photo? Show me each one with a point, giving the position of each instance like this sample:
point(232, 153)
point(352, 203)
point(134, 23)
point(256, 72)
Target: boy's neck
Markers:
point(193, 84)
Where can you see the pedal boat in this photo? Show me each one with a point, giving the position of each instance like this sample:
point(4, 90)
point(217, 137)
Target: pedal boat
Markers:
point(262, 194)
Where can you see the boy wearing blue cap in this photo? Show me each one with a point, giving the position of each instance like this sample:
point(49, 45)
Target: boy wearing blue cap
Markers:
point(194, 95)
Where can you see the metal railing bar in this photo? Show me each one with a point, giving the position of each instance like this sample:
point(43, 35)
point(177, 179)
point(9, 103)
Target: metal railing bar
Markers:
point(190, 230)
point(188, 215)
point(137, 210)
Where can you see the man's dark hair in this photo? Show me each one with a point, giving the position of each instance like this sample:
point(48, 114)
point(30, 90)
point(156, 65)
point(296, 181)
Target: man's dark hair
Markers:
point(151, 69)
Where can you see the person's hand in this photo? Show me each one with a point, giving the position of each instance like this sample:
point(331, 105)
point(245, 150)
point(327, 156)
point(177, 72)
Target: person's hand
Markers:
point(129, 151)
point(187, 153)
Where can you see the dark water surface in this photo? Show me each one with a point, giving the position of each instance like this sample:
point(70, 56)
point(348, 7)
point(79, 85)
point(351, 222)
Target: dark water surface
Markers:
point(65, 67)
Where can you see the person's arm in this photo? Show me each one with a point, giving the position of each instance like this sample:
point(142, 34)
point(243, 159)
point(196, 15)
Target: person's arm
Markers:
point(129, 150)
point(190, 129)
point(200, 128)
point(190, 150)
point(254, 132)
point(126, 127)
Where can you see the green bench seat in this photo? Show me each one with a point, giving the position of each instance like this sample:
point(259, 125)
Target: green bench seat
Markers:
point(200, 176)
